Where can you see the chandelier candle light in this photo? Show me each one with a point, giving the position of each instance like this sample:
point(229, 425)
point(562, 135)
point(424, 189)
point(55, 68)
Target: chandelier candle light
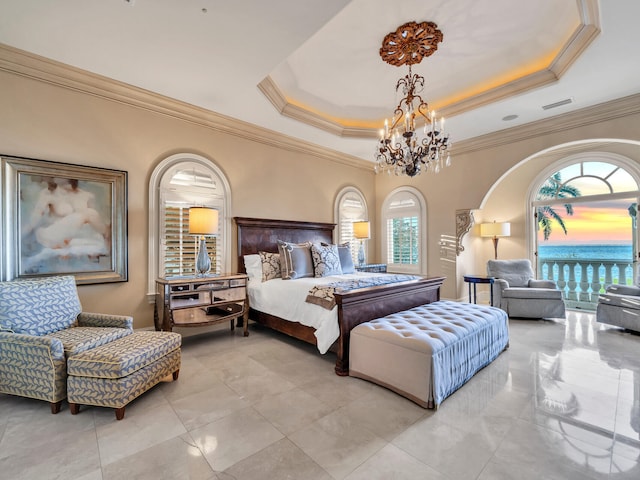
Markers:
point(361, 231)
point(408, 45)
point(203, 221)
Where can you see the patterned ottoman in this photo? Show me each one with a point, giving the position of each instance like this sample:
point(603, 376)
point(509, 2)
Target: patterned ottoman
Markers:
point(115, 373)
point(428, 352)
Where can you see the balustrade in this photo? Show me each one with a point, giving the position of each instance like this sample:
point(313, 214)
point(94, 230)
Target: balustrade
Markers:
point(582, 281)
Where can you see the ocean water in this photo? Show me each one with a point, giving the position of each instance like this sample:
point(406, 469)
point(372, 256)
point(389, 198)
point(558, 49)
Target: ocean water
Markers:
point(589, 255)
point(586, 252)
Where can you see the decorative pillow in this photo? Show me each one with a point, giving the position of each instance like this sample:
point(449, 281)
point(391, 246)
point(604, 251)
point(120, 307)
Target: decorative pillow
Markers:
point(270, 265)
point(346, 261)
point(39, 306)
point(326, 260)
point(253, 266)
point(295, 260)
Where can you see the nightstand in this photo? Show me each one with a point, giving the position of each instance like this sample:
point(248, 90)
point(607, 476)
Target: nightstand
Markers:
point(200, 301)
point(372, 268)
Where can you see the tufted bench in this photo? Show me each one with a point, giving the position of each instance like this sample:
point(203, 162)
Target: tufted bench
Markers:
point(114, 374)
point(428, 352)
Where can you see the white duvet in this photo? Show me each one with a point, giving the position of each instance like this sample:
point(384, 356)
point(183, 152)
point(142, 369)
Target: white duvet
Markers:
point(286, 299)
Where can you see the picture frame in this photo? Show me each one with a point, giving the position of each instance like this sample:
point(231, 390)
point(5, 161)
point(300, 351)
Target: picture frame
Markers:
point(63, 219)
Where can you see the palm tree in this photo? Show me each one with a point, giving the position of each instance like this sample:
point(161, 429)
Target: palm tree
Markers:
point(552, 189)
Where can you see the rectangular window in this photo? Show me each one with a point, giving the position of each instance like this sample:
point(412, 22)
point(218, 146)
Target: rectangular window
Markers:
point(180, 247)
point(403, 241)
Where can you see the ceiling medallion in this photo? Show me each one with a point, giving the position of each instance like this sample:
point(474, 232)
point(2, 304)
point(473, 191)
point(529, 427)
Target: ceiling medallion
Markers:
point(408, 45)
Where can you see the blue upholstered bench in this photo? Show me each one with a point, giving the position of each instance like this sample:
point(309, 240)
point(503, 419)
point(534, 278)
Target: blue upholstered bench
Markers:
point(428, 352)
point(114, 374)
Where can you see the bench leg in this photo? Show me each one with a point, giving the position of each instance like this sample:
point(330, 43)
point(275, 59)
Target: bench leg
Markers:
point(119, 413)
point(74, 408)
point(55, 407)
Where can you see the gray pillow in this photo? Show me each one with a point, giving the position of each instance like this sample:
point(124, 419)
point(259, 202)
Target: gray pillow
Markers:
point(326, 260)
point(295, 260)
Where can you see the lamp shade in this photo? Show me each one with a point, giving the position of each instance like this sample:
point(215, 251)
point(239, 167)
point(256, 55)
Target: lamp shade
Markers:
point(203, 221)
point(361, 230)
point(502, 229)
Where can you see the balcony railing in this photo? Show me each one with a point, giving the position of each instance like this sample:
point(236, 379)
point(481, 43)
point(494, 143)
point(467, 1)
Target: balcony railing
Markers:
point(582, 281)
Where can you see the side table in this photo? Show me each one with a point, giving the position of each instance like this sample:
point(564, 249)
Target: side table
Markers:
point(475, 280)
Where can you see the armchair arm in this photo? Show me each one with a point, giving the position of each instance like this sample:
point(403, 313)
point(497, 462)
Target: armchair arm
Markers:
point(33, 366)
point(28, 345)
point(87, 319)
point(499, 284)
point(534, 283)
point(624, 290)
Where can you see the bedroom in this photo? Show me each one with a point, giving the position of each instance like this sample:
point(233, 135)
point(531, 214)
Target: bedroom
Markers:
point(53, 112)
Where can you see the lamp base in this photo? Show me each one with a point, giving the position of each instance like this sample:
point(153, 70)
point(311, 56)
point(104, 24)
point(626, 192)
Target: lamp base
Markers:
point(361, 258)
point(203, 262)
point(495, 247)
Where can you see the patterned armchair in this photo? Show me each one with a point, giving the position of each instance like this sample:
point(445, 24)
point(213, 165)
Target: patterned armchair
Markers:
point(41, 325)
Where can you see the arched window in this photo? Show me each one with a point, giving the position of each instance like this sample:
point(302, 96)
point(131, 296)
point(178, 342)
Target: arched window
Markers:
point(584, 213)
point(177, 183)
point(404, 231)
point(350, 206)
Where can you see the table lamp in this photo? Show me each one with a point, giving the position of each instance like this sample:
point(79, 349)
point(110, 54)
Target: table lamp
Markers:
point(361, 231)
point(203, 221)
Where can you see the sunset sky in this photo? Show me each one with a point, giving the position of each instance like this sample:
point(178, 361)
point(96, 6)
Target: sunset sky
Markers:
point(598, 223)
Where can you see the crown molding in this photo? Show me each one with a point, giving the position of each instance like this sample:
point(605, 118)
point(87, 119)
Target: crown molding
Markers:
point(603, 112)
point(29, 65)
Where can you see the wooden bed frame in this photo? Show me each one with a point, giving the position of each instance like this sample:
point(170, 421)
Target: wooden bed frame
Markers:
point(354, 307)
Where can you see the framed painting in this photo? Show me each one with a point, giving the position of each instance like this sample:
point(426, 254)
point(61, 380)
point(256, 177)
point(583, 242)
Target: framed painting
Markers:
point(63, 219)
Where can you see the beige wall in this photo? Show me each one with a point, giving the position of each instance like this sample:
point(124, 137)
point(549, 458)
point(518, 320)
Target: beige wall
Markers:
point(43, 121)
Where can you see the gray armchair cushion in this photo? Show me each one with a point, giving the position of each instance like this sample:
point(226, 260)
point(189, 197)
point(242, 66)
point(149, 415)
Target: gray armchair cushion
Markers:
point(533, 283)
point(624, 290)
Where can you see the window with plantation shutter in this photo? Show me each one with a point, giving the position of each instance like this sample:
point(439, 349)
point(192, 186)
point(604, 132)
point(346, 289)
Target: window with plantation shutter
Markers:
point(178, 183)
point(350, 207)
point(181, 248)
point(404, 221)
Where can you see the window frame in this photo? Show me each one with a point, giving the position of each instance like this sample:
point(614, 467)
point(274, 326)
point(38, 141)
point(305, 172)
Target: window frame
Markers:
point(167, 166)
point(421, 212)
point(340, 234)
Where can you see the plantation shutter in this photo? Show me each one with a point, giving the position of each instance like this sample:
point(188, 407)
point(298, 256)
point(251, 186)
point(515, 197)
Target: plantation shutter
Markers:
point(351, 209)
point(402, 219)
point(188, 185)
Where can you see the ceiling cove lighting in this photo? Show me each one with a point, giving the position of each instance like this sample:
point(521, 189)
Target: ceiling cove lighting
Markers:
point(414, 140)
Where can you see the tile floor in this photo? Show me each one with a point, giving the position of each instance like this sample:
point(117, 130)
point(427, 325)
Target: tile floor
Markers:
point(562, 403)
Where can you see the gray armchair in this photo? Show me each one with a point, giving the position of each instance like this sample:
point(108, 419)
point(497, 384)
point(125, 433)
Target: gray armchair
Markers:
point(620, 306)
point(517, 292)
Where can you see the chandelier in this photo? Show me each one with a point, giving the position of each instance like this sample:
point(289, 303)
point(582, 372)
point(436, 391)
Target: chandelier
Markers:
point(414, 140)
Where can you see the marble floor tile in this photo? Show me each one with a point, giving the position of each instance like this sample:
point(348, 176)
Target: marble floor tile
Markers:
point(391, 462)
point(338, 443)
point(175, 459)
point(234, 437)
point(141, 430)
point(563, 402)
point(280, 460)
point(292, 410)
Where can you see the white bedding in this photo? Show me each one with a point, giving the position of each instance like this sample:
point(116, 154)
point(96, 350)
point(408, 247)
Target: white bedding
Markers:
point(286, 299)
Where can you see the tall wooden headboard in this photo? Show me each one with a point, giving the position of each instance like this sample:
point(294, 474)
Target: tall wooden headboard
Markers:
point(261, 234)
